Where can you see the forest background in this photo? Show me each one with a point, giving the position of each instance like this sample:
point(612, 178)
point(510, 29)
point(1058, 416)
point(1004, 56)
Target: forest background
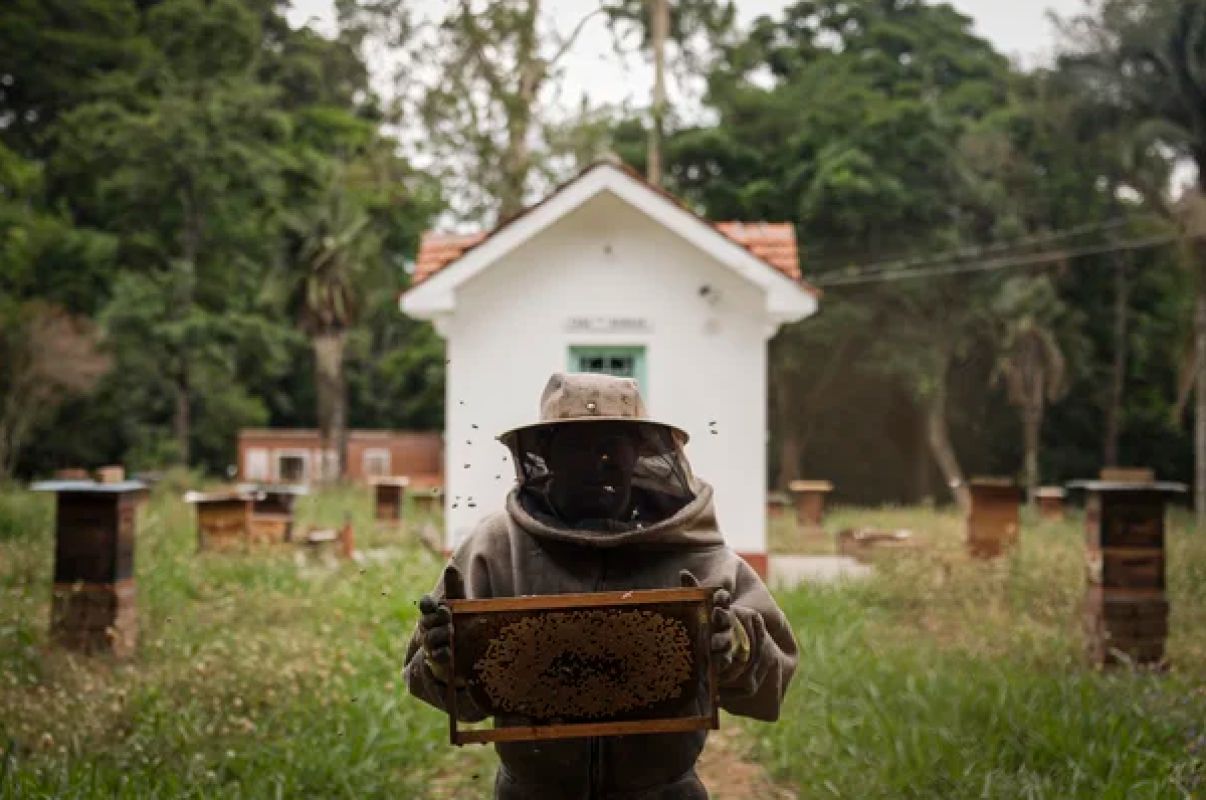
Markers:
point(206, 216)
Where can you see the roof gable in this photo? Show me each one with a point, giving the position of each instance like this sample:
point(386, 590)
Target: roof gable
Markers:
point(772, 242)
point(762, 253)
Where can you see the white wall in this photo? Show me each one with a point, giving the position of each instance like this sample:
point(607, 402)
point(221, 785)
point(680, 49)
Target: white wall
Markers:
point(704, 362)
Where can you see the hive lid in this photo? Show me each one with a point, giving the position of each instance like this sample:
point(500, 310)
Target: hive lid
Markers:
point(88, 486)
point(273, 488)
point(810, 486)
point(993, 482)
point(219, 496)
point(389, 480)
point(1164, 487)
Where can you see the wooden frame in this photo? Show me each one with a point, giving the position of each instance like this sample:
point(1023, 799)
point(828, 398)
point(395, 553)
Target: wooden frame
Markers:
point(698, 603)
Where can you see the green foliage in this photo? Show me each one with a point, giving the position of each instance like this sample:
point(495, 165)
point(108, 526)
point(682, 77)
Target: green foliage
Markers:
point(167, 161)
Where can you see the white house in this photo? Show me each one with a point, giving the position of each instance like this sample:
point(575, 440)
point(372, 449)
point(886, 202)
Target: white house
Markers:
point(609, 274)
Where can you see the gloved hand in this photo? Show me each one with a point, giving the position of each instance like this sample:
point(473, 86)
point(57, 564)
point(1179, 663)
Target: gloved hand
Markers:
point(435, 625)
point(730, 641)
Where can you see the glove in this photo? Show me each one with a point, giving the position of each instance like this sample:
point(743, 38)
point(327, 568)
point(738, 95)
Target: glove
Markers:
point(435, 625)
point(730, 642)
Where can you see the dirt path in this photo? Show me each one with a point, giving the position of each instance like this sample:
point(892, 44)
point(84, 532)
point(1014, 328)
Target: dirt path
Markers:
point(724, 767)
point(728, 773)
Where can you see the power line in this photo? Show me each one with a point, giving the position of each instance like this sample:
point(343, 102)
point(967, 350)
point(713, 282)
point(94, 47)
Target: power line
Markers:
point(1006, 262)
point(978, 251)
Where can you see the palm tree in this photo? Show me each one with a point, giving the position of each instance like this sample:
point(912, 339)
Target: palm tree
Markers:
point(331, 245)
point(1144, 63)
point(1031, 362)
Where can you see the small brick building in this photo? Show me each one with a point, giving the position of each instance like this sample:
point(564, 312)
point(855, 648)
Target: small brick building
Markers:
point(295, 455)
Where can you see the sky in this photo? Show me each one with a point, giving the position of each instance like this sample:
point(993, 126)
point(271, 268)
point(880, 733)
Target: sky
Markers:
point(1018, 28)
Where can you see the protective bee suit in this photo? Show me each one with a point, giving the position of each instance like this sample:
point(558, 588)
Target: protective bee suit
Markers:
point(606, 501)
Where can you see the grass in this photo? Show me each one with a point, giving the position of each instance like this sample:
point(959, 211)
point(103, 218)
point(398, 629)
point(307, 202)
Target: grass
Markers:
point(258, 676)
point(941, 677)
point(255, 677)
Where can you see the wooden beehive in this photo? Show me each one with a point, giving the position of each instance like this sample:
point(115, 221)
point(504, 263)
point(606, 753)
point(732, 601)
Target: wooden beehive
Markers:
point(224, 519)
point(572, 665)
point(865, 544)
point(1050, 501)
point(93, 607)
point(271, 511)
point(809, 499)
point(1126, 606)
point(993, 524)
point(114, 473)
point(425, 504)
point(777, 505)
point(388, 496)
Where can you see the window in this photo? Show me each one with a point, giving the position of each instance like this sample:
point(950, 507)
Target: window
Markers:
point(255, 468)
point(291, 469)
point(375, 462)
point(624, 362)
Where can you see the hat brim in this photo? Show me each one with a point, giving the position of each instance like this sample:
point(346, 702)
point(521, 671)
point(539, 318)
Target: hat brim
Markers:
point(680, 436)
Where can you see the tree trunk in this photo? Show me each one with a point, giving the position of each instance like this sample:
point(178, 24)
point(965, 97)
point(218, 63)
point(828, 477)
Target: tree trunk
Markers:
point(790, 450)
point(921, 462)
point(1113, 421)
point(517, 158)
point(789, 436)
point(1199, 421)
point(1032, 426)
point(659, 29)
point(332, 397)
point(938, 435)
point(181, 415)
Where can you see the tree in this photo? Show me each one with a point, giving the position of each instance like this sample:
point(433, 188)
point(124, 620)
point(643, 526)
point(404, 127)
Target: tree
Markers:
point(483, 111)
point(331, 243)
point(1144, 62)
point(192, 201)
point(853, 140)
point(679, 36)
point(1031, 362)
point(48, 355)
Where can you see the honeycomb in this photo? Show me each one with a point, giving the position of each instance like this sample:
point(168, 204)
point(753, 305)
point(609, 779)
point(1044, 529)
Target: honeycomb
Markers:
point(587, 663)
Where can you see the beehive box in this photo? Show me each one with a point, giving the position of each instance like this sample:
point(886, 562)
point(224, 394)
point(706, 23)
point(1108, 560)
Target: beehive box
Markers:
point(597, 664)
point(1050, 501)
point(993, 524)
point(93, 597)
point(223, 519)
point(809, 500)
point(271, 511)
point(425, 504)
point(1126, 607)
point(388, 496)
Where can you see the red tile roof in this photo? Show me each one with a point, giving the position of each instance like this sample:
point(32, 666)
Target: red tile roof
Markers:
point(772, 242)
